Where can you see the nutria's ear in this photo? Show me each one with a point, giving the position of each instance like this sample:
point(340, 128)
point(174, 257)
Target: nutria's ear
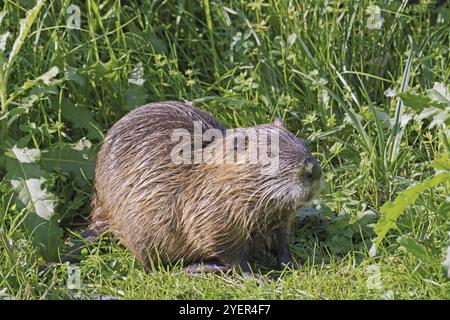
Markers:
point(278, 123)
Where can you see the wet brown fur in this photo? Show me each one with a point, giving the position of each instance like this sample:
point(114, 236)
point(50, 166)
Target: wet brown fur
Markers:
point(196, 212)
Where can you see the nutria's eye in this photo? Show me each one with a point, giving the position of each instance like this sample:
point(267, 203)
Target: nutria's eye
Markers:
point(312, 169)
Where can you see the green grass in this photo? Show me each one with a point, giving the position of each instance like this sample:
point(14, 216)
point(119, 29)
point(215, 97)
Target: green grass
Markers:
point(316, 64)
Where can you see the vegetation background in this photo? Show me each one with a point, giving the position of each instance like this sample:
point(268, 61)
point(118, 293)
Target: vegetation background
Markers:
point(365, 83)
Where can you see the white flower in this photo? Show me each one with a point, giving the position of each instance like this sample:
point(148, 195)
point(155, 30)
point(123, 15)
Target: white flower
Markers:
point(324, 98)
point(373, 10)
point(390, 93)
point(82, 144)
point(374, 21)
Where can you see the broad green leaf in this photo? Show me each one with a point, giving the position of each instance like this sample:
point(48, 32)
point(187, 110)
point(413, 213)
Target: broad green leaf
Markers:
point(442, 162)
point(440, 118)
point(23, 108)
point(46, 78)
point(81, 118)
point(158, 44)
point(49, 75)
point(28, 179)
point(390, 211)
point(42, 85)
point(415, 248)
point(30, 184)
point(439, 93)
point(72, 160)
point(71, 73)
point(46, 235)
point(416, 102)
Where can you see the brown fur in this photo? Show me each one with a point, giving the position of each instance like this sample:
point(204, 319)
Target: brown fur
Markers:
point(195, 212)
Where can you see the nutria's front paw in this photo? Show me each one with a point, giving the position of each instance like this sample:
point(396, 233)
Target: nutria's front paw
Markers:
point(287, 262)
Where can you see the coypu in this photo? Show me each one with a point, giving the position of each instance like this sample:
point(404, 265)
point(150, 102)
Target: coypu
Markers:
point(204, 214)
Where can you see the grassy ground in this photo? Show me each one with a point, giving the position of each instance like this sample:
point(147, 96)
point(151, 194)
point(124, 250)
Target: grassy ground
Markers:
point(367, 88)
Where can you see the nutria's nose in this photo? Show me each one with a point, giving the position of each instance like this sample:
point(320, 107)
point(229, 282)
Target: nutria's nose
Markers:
point(312, 169)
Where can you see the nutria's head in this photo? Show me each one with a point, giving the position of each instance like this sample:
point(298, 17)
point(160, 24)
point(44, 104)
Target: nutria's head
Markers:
point(299, 176)
point(270, 162)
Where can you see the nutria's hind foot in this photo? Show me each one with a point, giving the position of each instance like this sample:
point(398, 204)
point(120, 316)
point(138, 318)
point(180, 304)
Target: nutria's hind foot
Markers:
point(213, 266)
point(217, 267)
